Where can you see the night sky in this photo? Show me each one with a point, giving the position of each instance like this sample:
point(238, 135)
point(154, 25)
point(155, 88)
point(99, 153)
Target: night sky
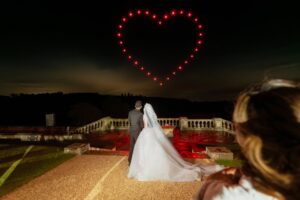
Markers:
point(71, 46)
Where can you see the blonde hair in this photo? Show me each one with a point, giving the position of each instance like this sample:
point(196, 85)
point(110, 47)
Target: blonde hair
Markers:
point(252, 148)
point(251, 126)
point(253, 152)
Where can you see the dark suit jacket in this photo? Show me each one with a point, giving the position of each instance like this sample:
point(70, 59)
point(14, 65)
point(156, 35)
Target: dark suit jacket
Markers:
point(136, 123)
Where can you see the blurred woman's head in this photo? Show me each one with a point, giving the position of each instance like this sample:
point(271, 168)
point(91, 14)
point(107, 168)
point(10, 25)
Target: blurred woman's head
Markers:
point(267, 120)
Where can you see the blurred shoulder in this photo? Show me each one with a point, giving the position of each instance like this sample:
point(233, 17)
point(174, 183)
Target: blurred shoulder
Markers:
point(131, 112)
point(244, 190)
point(135, 112)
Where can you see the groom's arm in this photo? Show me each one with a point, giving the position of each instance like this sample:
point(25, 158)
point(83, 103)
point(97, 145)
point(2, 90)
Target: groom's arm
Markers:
point(141, 122)
point(129, 123)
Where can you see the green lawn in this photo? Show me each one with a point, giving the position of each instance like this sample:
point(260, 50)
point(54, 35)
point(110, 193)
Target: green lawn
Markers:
point(39, 160)
point(236, 150)
point(230, 163)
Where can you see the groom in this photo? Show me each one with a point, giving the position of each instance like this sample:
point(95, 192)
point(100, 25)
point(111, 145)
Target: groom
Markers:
point(136, 124)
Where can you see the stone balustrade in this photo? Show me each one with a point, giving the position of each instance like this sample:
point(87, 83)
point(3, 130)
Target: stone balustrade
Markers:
point(109, 124)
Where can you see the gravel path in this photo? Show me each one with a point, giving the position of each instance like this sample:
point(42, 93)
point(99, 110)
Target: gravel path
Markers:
point(118, 186)
point(97, 177)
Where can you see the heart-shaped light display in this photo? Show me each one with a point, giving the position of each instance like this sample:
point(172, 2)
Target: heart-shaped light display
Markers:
point(160, 20)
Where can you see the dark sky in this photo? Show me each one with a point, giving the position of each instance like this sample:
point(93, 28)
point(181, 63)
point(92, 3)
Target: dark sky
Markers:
point(71, 46)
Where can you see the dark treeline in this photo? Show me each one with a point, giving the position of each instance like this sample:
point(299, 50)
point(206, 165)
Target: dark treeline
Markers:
point(77, 109)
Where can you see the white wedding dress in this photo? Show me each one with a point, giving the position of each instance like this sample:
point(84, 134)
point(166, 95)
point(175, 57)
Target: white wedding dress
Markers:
point(155, 158)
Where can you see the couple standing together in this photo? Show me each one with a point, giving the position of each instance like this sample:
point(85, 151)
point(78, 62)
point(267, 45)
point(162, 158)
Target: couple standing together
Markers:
point(152, 156)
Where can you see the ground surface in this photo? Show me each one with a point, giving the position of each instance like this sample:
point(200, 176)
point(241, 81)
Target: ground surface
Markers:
point(98, 177)
point(22, 163)
point(95, 175)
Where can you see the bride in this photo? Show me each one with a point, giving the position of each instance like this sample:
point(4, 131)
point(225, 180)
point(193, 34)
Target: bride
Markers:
point(154, 157)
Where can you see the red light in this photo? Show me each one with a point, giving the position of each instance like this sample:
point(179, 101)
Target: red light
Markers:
point(160, 20)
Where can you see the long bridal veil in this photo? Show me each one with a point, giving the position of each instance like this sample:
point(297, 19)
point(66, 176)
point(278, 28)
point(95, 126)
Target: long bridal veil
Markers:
point(155, 158)
point(152, 120)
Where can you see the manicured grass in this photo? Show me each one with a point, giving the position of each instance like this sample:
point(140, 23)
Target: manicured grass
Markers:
point(236, 162)
point(38, 161)
point(230, 163)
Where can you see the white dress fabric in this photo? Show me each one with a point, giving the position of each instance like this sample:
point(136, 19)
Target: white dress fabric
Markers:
point(215, 190)
point(155, 158)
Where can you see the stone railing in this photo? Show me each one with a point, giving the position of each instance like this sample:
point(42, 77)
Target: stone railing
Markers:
point(109, 124)
point(214, 124)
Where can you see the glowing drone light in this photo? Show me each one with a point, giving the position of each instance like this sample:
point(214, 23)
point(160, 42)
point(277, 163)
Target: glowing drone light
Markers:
point(119, 35)
point(130, 14)
point(159, 20)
